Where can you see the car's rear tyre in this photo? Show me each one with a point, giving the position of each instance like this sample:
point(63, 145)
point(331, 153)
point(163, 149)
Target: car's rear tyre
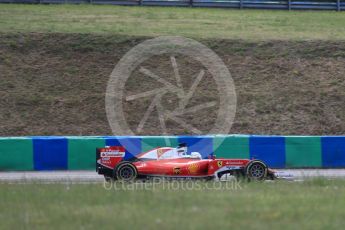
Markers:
point(125, 171)
point(256, 170)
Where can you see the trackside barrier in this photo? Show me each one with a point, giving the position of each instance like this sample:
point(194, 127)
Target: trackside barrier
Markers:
point(254, 4)
point(78, 153)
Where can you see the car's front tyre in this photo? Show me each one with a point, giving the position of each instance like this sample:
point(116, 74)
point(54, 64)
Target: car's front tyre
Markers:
point(256, 170)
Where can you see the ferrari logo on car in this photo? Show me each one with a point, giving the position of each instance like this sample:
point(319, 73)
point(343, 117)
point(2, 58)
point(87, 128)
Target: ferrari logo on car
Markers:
point(177, 170)
point(220, 163)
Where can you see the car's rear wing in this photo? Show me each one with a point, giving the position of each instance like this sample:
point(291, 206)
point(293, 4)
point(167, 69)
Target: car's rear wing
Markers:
point(108, 157)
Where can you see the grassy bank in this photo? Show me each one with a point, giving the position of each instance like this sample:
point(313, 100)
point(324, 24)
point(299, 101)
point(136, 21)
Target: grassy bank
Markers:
point(284, 205)
point(55, 61)
point(191, 22)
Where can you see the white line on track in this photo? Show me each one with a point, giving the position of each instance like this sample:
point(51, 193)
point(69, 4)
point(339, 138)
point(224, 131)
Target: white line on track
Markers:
point(93, 177)
point(51, 177)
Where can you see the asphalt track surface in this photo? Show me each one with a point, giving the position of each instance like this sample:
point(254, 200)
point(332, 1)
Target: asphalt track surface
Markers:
point(92, 177)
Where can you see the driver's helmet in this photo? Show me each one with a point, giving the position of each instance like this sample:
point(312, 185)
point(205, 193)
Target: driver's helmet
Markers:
point(182, 149)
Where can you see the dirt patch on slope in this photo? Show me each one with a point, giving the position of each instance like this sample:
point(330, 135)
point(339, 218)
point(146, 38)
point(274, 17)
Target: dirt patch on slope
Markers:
point(54, 84)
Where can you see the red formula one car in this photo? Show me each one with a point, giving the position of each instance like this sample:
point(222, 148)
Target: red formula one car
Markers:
point(174, 163)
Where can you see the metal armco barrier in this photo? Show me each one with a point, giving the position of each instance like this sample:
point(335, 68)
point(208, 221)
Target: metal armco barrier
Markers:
point(253, 4)
point(78, 153)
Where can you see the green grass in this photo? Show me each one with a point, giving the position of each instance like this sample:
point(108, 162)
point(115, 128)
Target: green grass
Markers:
point(317, 204)
point(191, 22)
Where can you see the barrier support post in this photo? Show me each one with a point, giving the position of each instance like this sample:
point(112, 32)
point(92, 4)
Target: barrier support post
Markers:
point(241, 4)
point(289, 5)
point(338, 5)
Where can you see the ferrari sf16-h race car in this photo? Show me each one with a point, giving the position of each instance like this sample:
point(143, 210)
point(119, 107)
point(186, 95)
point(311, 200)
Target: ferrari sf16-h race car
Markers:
point(175, 163)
